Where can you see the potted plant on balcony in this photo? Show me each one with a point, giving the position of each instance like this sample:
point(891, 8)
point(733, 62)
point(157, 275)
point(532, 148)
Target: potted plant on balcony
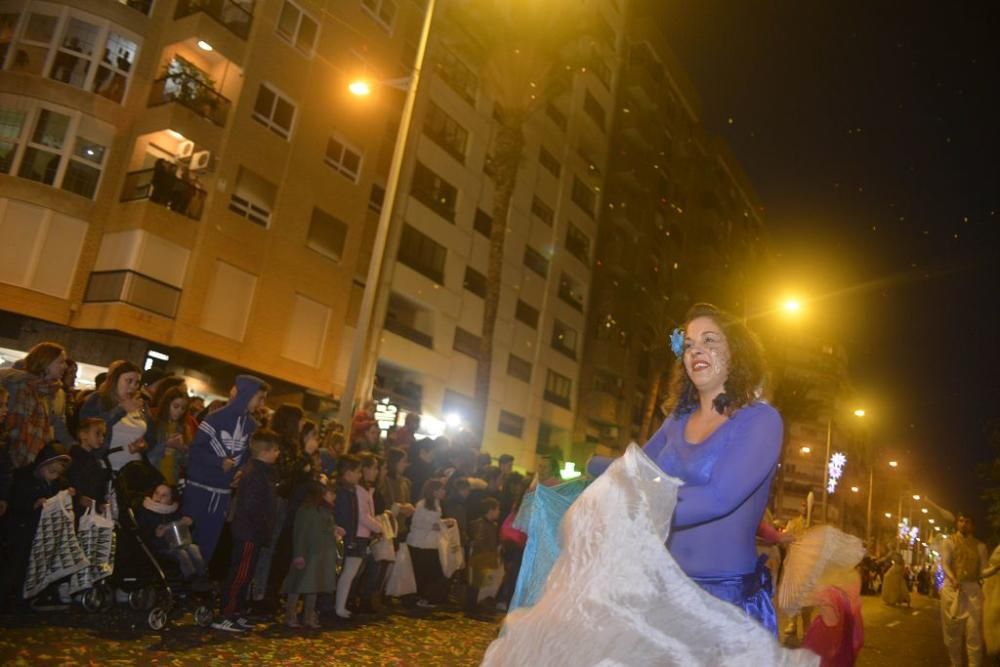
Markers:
point(191, 86)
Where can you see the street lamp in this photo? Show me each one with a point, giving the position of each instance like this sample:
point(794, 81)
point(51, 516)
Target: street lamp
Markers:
point(361, 88)
point(854, 489)
point(805, 450)
point(893, 464)
point(859, 413)
point(362, 350)
point(792, 306)
point(888, 515)
point(916, 496)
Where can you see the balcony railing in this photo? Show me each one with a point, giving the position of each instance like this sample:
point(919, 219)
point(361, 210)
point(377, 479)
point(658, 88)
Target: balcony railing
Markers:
point(166, 190)
point(556, 399)
point(409, 333)
point(234, 16)
point(570, 297)
point(135, 289)
point(193, 94)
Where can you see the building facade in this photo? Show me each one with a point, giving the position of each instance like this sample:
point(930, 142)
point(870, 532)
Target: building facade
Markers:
point(679, 225)
point(428, 350)
point(192, 178)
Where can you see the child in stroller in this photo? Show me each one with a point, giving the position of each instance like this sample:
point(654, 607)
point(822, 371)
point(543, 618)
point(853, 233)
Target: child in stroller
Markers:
point(166, 532)
point(139, 578)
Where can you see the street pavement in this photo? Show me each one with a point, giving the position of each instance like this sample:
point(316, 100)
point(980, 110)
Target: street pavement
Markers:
point(894, 637)
point(897, 636)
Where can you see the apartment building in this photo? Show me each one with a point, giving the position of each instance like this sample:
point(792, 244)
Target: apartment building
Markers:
point(189, 182)
point(428, 350)
point(680, 224)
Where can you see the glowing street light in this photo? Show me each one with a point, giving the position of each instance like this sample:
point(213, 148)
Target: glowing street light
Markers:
point(805, 450)
point(855, 489)
point(893, 464)
point(859, 413)
point(930, 521)
point(360, 88)
point(792, 306)
point(888, 515)
point(916, 496)
point(924, 510)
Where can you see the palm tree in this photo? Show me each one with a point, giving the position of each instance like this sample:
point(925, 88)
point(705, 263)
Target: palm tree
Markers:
point(527, 52)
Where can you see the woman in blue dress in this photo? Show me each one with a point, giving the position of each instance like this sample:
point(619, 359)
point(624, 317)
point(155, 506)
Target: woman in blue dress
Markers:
point(724, 444)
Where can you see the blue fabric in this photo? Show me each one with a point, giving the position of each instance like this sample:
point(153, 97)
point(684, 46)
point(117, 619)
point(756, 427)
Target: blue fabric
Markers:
point(224, 434)
point(750, 592)
point(540, 515)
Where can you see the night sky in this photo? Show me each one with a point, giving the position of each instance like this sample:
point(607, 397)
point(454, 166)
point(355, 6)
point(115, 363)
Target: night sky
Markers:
point(869, 131)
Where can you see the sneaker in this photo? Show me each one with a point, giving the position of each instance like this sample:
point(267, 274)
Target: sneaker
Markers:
point(424, 604)
point(227, 625)
point(245, 623)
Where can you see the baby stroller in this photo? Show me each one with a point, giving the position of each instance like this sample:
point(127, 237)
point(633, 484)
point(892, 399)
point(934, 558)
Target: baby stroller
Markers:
point(148, 586)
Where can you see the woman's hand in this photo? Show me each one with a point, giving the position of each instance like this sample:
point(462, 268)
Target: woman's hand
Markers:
point(227, 464)
point(340, 532)
point(299, 563)
point(86, 501)
point(176, 441)
point(132, 403)
point(186, 521)
point(137, 446)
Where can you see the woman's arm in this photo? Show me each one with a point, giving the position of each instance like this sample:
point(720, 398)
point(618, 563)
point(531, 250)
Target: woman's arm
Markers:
point(598, 464)
point(742, 468)
point(366, 515)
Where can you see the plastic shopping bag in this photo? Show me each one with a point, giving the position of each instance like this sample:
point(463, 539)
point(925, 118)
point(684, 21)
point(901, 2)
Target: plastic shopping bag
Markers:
point(401, 580)
point(450, 550)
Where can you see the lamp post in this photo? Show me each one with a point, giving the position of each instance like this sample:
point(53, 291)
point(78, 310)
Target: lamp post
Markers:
point(363, 350)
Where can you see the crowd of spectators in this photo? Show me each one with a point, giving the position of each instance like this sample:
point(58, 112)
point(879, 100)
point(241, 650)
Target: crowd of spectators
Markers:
point(282, 511)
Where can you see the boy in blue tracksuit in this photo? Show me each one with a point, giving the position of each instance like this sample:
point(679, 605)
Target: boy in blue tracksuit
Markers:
point(219, 448)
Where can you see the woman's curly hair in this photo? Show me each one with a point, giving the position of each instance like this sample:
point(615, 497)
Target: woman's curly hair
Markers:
point(747, 370)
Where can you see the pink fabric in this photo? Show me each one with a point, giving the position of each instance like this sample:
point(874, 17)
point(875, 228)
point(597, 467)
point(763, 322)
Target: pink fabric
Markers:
point(837, 645)
point(367, 523)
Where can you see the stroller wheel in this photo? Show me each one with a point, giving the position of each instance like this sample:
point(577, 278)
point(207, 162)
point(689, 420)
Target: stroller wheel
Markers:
point(203, 616)
point(157, 618)
point(142, 598)
point(91, 599)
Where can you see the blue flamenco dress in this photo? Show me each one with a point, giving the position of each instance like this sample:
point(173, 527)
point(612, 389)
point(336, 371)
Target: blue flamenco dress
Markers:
point(726, 483)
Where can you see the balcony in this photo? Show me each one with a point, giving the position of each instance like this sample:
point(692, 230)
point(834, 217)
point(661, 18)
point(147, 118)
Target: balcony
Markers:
point(134, 289)
point(231, 15)
point(141, 6)
point(193, 94)
point(557, 399)
point(178, 195)
point(409, 333)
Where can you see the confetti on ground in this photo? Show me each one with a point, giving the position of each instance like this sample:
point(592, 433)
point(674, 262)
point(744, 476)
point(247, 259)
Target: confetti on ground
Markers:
point(398, 638)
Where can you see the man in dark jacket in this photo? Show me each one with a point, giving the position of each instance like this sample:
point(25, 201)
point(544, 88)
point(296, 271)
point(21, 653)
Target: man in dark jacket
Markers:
point(252, 525)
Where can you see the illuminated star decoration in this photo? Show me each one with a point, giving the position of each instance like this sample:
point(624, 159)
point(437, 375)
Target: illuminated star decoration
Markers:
point(834, 470)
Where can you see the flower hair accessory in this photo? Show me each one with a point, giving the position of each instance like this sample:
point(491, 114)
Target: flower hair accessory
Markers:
point(677, 342)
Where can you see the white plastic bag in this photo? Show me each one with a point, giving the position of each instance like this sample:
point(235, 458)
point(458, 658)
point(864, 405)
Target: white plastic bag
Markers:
point(383, 548)
point(97, 537)
point(450, 550)
point(401, 581)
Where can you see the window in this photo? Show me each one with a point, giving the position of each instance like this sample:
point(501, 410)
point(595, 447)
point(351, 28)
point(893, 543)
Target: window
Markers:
point(549, 161)
point(76, 49)
point(253, 197)
point(570, 291)
point(578, 243)
point(64, 149)
point(326, 234)
point(383, 11)
point(475, 282)
point(297, 28)
point(564, 339)
point(446, 132)
point(434, 192)
point(519, 368)
point(274, 111)
point(405, 318)
point(510, 424)
point(344, 158)
point(422, 254)
point(482, 223)
point(457, 75)
point(558, 389)
point(609, 383)
point(466, 342)
point(536, 261)
point(376, 197)
point(526, 314)
point(542, 211)
point(556, 116)
point(594, 110)
point(583, 196)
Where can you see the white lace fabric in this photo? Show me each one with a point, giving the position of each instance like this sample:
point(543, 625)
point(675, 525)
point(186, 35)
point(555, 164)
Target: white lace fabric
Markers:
point(615, 596)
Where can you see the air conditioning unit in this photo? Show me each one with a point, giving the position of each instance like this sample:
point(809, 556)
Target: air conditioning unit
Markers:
point(200, 161)
point(185, 149)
